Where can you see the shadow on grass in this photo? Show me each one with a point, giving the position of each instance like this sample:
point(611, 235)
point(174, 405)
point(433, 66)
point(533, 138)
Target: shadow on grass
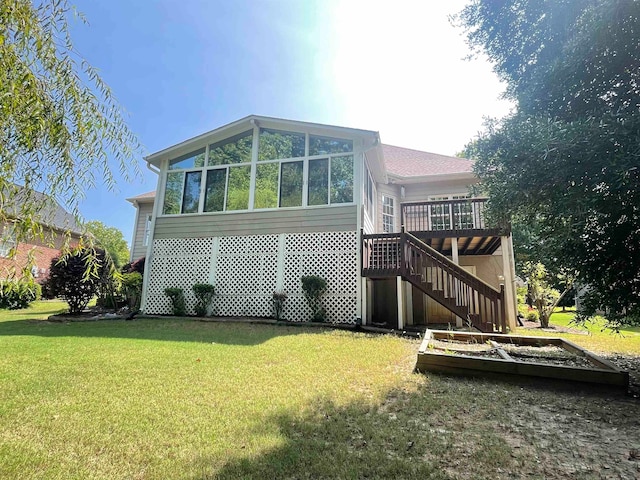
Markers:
point(170, 329)
point(450, 427)
point(407, 435)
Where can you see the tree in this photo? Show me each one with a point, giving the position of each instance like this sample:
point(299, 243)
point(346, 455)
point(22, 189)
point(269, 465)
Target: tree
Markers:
point(542, 292)
point(74, 280)
point(567, 161)
point(111, 240)
point(59, 122)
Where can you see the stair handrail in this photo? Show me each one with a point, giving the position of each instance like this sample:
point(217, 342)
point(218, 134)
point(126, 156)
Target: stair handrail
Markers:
point(449, 263)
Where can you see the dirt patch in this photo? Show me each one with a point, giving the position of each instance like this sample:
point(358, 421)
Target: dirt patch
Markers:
point(553, 328)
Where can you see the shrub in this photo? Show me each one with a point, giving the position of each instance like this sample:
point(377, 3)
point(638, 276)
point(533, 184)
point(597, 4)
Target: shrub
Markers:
point(278, 304)
point(314, 287)
point(204, 296)
point(178, 306)
point(131, 284)
point(17, 294)
point(76, 277)
point(533, 316)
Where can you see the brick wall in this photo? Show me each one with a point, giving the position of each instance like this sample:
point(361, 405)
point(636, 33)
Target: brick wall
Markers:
point(41, 253)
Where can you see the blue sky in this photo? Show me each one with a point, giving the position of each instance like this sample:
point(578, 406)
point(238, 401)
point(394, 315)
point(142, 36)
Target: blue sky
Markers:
point(181, 68)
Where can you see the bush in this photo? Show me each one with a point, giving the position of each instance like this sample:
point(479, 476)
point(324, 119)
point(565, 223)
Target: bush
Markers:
point(314, 287)
point(204, 296)
point(178, 306)
point(532, 316)
point(77, 276)
point(131, 284)
point(278, 304)
point(17, 294)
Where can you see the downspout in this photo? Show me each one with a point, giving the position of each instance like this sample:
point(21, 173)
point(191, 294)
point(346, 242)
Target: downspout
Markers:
point(152, 228)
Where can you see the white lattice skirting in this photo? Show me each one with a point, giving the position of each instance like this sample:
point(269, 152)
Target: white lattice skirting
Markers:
point(247, 270)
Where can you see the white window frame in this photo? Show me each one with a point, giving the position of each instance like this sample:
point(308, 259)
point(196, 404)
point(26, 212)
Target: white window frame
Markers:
point(147, 230)
point(388, 219)
point(254, 163)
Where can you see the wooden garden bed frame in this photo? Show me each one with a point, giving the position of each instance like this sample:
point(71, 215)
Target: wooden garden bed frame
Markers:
point(429, 358)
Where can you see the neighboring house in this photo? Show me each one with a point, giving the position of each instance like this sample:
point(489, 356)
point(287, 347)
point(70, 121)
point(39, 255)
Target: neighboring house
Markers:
point(35, 253)
point(253, 206)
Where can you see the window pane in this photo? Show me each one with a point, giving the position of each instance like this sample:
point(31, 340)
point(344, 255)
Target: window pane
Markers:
point(342, 179)
point(275, 144)
point(236, 149)
point(318, 182)
point(214, 190)
point(238, 189)
point(173, 192)
point(190, 160)
point(191, 196)
point(326, 145)
point(266, 194)
point(387, 214)
point(291, 184)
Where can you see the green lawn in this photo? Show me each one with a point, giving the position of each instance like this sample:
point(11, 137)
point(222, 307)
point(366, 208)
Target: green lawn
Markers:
point(180, 399)
point(597, 338)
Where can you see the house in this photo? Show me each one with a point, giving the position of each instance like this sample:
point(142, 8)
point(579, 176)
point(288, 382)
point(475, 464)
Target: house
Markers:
point(254, 205)
point(34, 254)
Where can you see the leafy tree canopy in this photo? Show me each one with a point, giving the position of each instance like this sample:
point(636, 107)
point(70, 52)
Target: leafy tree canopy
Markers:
point(59, 123)
point(111, 240)
point(566, 163)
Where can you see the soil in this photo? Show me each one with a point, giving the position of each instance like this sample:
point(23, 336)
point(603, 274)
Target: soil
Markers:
point(553, 328)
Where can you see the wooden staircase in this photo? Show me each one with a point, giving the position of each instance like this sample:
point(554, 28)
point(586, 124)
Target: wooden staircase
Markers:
point(464, 294)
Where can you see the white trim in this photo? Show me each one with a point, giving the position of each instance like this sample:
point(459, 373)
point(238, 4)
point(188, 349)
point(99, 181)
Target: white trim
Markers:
point(135, 228)
point(400, 298)
point(280, 264)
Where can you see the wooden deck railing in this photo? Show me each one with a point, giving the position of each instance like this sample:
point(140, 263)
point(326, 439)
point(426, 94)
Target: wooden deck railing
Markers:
point(460, 214)
point(462, 293)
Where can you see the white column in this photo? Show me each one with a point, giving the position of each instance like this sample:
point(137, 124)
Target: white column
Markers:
point(509, 280)
point(456, 260)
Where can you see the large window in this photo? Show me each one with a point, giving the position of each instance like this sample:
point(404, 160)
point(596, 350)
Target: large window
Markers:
point(388, 214)
point(285, 162)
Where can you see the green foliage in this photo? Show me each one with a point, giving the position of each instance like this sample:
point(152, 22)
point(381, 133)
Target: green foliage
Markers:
point(565, 163)
point(60, 125)
point(131, 285)
point(18, 294)
point(178, 305)
point(544, 296)
point(77, 276)
point(111, 240)
point(313, 288)
point(278, 299)
point(204, 296)
point(533, 316)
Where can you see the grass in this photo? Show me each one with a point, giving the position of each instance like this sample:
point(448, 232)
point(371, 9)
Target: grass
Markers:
point(40, 310)
point(594, 335)
point(175, 398)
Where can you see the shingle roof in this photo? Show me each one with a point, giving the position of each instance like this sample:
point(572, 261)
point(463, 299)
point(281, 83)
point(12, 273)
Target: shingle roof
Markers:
point(143, 196)
point(406, 162)
point(50, 212)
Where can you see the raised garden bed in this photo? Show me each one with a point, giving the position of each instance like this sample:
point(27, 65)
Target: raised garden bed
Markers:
point(546, 357)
